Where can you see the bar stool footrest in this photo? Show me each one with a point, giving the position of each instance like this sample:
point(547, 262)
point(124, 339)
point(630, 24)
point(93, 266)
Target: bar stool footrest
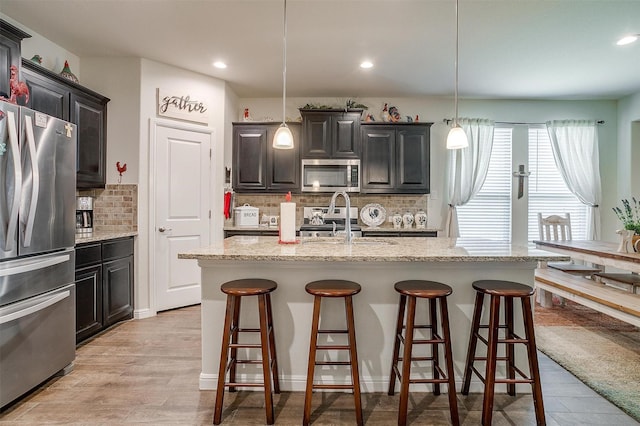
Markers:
point(333, 363)
point(326, 386)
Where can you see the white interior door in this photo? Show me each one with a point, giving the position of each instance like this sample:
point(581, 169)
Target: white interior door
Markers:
point(182, 212)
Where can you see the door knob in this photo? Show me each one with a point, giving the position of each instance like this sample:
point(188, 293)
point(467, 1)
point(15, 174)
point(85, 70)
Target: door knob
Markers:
point(161, 229)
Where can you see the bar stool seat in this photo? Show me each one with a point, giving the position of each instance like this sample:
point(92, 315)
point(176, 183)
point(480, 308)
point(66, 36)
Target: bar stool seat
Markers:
point(436, 293)
point(507, 290)
point(235, 290)
point(333, 289)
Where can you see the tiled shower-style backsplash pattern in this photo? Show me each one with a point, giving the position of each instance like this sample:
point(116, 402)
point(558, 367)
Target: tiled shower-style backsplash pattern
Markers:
point(115, 208)
point(270, 204)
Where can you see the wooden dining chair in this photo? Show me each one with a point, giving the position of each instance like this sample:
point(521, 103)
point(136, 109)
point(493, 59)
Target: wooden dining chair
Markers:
point(558, 228)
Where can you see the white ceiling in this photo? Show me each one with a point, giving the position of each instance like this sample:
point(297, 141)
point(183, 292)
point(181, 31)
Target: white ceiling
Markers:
point(516, 49)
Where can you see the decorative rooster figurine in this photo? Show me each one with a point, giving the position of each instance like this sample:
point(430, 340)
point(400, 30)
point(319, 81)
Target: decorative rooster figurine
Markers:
point(385, 114)
point(121, 170)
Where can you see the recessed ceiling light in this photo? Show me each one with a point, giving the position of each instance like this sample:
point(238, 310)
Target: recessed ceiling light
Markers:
point(366, 64)
point(627, 39)
point(220, 64)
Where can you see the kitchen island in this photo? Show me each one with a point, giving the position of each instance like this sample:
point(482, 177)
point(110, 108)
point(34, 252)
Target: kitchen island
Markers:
point(376, 264)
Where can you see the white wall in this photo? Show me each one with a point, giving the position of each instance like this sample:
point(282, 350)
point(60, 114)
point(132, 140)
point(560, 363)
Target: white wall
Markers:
point(629, 146)
point(212, 91)
point(53, 55)
point(119, 80)
point(435, 109)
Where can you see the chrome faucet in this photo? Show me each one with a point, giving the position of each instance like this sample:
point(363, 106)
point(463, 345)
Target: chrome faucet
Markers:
point(347, 221)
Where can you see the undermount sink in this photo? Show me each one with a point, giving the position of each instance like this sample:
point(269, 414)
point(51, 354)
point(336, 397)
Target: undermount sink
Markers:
point(354, 241)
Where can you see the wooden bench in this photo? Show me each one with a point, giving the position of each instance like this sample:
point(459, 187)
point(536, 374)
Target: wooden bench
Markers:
point(614, 302)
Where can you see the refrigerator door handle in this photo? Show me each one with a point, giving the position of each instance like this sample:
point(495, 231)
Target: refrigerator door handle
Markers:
point(42, 304)
point(17, 175)
point(29, 265)
point(35, 180)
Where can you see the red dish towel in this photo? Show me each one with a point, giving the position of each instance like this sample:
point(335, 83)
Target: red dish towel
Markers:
point(227, 204)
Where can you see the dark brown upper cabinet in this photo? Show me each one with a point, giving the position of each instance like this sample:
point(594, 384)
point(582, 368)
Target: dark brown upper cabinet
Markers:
point(61, 98)
point(395, 158)
point(10, 40)
point(257, 166)
point(331, 133)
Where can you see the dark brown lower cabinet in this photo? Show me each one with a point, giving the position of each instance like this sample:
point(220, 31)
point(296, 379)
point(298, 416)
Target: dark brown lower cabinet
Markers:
point(88, 301)
point(104, 285)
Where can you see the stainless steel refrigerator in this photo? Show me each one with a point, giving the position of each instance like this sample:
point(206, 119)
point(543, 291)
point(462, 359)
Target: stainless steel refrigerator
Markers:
point(37, 228)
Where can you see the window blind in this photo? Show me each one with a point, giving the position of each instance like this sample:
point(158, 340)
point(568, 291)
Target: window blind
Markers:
point(548, 194)
point(488, 214)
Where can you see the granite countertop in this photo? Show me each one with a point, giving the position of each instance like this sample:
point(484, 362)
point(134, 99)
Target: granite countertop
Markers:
point(379, 249)
point(102, 236)
point(389, 229)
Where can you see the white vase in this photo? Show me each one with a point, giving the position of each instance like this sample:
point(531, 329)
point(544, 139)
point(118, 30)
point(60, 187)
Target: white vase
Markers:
point(626, 235)
point(421, 220)
point(407, 220)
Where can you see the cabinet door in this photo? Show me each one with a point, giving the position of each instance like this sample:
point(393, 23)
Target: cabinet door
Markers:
point(46, 95)
point(90, 114)
point(249, 158)
point(316, 130)
point(412, 160)
point(117, 287)
point(10, 40)
point(345, 133)
point(88, 301)
point(283, 165)
point(8, 50)
point(378, 159)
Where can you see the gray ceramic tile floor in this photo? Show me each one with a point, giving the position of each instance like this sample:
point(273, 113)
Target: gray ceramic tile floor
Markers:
point(146, 372)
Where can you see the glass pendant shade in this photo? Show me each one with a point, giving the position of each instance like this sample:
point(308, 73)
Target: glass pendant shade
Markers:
point(457, 138)
point(283, 139)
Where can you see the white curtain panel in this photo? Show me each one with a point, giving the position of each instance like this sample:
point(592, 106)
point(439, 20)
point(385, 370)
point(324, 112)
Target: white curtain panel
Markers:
point(467, 168)
point(575, 150)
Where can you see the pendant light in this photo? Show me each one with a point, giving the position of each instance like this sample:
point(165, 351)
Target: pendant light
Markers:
point(457, 137)
point(283, 139)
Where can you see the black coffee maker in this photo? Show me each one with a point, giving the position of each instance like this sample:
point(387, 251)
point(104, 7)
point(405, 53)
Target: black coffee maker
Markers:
point(84, 215)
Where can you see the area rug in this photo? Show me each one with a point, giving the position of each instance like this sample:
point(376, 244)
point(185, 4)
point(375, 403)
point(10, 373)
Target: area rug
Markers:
point(601, 351)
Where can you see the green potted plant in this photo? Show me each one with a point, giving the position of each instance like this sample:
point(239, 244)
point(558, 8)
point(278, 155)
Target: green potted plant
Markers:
point(630, 217)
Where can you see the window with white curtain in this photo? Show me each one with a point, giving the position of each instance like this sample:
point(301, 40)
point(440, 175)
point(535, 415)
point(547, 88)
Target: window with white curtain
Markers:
point(488, 215)
point(548, 194)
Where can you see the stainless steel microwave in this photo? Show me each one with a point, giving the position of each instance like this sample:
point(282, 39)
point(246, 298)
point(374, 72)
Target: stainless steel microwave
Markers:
point(324, 175)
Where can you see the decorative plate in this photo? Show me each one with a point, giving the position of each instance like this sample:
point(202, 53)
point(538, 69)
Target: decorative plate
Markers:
point(373, 215)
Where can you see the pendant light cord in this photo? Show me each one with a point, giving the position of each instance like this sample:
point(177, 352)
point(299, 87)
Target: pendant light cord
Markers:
point(284, 62)
point(455, 95)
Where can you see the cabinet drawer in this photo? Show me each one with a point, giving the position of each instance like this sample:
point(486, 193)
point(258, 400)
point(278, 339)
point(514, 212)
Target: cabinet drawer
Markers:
point(116, 249)
point(89, 254)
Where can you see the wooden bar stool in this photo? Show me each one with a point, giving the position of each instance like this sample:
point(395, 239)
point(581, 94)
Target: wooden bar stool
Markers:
point(434, 292)
point(235, 290)
point(509, 291)
point(333, 288)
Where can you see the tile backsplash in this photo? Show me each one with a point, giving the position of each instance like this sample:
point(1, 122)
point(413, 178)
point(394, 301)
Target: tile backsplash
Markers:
point(269, 204)
point(115, 208)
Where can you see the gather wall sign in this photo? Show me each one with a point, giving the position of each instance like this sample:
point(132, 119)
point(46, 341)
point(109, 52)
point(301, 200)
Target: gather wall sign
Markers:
point(182, 107)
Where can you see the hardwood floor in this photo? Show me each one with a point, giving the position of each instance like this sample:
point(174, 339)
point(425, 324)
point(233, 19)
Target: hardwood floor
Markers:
point(146, 371)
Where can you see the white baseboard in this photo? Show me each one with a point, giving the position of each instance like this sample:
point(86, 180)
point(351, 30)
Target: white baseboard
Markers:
point(143, 313)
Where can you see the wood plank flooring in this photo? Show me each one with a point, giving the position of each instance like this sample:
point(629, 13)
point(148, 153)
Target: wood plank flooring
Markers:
point(146, 372)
